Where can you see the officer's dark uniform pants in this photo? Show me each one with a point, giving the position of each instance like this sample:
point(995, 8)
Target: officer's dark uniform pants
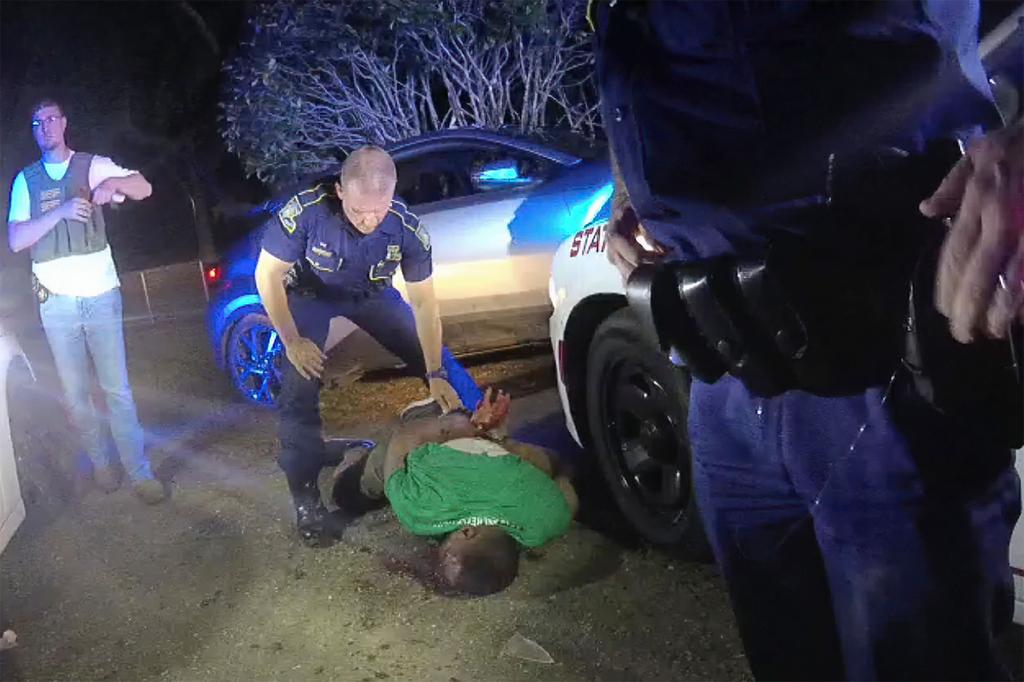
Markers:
point(884, 561)
point(386, 317)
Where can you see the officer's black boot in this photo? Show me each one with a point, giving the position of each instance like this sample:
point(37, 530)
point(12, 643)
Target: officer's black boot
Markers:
point(309, 513)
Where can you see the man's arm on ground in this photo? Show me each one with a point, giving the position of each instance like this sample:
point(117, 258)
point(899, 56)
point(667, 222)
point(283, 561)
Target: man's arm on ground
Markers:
point(544, 460)
point(409, 437)
point(569, 492)
point(534, 454)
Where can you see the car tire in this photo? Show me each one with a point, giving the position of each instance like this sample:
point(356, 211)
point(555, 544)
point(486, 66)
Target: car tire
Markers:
point(254, 357)
point(637, 404)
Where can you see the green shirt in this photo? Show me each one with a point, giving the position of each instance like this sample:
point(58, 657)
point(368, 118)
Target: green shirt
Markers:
point(441, 490)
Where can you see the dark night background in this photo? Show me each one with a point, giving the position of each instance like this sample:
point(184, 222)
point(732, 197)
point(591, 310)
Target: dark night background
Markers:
point(139, 82)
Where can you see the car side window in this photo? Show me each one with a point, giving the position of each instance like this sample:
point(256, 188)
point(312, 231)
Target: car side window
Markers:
point(507, 169)
point(433, 177)
point(452, 174)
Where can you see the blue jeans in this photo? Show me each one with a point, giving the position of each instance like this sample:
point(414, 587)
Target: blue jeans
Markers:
point(78, 328)
point(889, 560)
point(386, 317)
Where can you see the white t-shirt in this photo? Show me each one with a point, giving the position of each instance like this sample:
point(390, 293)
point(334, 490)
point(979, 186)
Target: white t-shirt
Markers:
point(85, 275)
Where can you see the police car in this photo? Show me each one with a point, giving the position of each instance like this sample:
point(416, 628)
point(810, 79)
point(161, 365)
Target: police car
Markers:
point(627, 402)
point(496, 208)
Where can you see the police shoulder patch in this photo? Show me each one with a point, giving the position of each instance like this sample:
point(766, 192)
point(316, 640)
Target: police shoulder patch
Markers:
point(412, 223)
point(289, 213)
point(424, 236)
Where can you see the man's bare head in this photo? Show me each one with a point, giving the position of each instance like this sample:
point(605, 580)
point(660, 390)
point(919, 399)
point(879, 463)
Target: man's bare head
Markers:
point(479, 560)
point(366, 187)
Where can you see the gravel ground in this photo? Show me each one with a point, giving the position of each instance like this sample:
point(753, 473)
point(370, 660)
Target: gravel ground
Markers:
point(213, 585)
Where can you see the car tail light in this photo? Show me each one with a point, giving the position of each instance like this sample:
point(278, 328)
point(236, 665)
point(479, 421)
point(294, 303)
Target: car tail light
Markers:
point(212, 274)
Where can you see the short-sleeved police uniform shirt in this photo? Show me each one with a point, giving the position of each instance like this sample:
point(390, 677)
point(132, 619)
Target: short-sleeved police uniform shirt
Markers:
point(313, 226)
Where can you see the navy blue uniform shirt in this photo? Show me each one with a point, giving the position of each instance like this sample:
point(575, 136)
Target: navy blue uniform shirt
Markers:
point(313, 226)
point(716, 108)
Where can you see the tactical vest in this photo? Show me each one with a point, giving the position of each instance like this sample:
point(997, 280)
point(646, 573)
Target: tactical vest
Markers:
point(68, 237)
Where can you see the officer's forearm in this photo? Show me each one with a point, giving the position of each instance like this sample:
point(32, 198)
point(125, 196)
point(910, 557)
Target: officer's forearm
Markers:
point(428, 321)
point(428, 328)
point(620, 198)
point(22, 235)
point(275, 301)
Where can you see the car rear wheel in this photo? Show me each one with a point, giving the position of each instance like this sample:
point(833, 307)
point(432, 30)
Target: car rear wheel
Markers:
point(254, 356)
point(637, 403)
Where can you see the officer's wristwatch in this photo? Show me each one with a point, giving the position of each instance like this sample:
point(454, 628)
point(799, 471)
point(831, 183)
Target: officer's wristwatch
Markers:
point(438, 374)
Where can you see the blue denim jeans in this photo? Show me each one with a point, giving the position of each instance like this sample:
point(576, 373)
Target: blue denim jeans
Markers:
point(887, 560)
point(78, 328)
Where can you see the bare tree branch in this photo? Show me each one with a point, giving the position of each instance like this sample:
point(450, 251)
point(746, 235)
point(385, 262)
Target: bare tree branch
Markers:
point(308, 87)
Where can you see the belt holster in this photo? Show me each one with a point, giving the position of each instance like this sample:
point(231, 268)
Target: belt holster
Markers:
point(830, 326)
point(792, 320)
point(843, 307)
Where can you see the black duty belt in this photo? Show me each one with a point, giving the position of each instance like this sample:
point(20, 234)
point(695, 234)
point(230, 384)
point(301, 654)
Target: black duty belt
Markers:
point(837, 309)
point(334, 295)
point(301, 282)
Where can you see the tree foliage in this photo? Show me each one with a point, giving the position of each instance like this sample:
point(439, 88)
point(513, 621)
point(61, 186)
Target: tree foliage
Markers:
point(316, 79)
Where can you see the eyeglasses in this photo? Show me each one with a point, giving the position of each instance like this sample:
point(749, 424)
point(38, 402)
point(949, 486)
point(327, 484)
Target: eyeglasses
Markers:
point(53, 118)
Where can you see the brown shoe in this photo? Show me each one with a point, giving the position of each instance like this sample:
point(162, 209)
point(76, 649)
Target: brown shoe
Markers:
point(149, 490)
point(106, 479)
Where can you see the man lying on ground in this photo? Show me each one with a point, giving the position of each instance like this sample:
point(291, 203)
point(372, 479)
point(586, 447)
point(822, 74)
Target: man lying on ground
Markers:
point(459, 476)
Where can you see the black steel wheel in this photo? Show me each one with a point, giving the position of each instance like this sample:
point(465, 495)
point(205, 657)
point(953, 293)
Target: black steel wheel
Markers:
point(637, 403)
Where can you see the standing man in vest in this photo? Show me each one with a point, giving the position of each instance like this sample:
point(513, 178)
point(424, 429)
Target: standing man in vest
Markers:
point(56, 212)
point(354, 237)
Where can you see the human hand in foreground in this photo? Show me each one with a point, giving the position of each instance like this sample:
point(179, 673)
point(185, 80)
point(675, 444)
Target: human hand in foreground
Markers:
point(980, 279)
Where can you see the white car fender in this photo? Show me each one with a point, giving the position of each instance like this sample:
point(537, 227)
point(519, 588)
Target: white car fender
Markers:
point(579, 272)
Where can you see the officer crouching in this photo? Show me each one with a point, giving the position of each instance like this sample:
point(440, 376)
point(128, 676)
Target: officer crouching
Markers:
point(353, 238)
